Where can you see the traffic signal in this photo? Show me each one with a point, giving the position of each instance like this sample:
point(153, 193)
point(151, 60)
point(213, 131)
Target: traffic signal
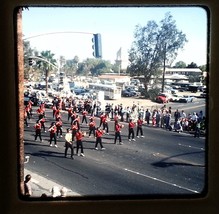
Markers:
point(97, 45)
point(30, 61)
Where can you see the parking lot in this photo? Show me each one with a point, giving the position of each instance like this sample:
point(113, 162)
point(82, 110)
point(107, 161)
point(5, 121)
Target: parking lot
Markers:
point(146, 103)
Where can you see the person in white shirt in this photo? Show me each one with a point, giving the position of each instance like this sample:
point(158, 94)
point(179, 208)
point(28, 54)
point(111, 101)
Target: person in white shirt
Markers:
point(69, 143)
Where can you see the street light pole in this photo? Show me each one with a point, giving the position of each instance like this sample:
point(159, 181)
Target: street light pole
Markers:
point(47, 70)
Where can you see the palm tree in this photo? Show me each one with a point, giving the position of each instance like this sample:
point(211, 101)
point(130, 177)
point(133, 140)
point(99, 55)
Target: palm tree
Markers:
point(47, 67)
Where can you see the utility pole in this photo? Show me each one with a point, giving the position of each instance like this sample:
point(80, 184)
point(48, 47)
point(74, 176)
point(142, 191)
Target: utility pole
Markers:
point(20, 69)
point(164, 68)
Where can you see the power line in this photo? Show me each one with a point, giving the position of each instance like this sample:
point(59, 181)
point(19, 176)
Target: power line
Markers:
point(64, 32)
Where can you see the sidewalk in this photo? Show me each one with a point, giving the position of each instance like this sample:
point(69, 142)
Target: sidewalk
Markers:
point(42, 185)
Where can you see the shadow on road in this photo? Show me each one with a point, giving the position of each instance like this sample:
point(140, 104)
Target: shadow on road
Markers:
point(166, 162)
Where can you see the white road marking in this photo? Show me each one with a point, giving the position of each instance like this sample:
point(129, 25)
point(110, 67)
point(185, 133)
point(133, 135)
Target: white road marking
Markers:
point(162, 181)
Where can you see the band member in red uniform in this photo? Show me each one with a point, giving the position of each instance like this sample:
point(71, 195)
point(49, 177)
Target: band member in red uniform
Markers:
point(52, 131)
point(27, 110)
point(25, 118)
point(99, 134)
point(30, 103)
point(73, 116)
point(37, 127)
point(92, 127)
point(58, 115)
point(116, 120)
point(59, 127)
point(117, 132)
point(54, 109)
point(84, 116)
point(41, 112)
point(105, 123)
point(70, 112)
point(74, 128)
point(42, 121)
point(77, 120)
point(79, 135)
point(101, 119)
point(139, 127)
point(131, 126)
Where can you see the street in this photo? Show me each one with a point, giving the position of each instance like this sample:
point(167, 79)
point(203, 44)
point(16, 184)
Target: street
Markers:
point(164, 163)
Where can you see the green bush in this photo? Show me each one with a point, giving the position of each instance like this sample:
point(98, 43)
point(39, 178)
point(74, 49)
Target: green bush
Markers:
point(151, 93)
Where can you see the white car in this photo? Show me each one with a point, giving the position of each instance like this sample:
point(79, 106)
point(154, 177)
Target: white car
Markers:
point(175, 98)
point(186, 99)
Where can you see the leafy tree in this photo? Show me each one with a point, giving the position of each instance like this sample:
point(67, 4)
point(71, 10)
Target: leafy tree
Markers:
point(85, 67)
point(71, 66)
point(192, 65)
point(45, 66)
point(180, 64)
point(95, 67)
point(154, 46)
point(101, 67)
point(203, 68)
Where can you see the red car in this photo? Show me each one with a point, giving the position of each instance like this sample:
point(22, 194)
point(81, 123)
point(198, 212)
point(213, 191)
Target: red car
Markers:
point(162, 98)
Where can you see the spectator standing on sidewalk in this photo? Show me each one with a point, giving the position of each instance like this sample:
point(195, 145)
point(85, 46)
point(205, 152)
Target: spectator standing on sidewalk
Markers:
point(176, 115)
point(128, 112)
point(27, 186)
point(147, 116)
point(158, 116)
point(154, 114)
point(197, 124)
point(168, 120)
point(99, 134)
point(69, 143)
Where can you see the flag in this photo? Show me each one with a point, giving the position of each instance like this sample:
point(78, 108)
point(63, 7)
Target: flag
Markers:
point(119, 54)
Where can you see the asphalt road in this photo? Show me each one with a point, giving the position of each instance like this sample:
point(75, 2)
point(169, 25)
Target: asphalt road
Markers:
point(163, 164)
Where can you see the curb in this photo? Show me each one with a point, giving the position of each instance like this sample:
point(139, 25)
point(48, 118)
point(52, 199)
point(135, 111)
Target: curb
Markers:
point(41, 185)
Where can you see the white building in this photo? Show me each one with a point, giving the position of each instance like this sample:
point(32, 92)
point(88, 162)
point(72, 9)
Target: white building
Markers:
point(119, 80)
point(183, 71)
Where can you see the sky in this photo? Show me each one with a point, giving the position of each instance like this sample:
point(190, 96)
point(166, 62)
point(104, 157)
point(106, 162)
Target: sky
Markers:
point(70, 30)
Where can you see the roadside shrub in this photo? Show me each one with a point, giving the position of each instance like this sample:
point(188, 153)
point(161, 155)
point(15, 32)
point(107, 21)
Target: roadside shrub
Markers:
point(151, 93)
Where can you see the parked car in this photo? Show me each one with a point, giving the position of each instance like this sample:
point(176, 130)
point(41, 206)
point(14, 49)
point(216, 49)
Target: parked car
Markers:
point(175, 98)
point(78, 91)
point(186, 99)
point(203, 95)
point(127, 93)
point(162, 98)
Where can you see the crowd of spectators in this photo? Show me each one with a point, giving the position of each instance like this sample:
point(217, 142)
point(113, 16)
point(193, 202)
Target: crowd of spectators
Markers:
point(162, 117)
